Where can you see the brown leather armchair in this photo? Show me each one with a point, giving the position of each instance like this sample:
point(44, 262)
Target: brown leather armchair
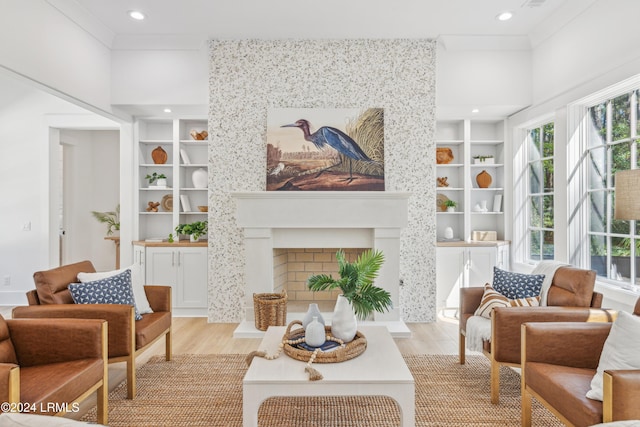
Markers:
point(48, 366)
point(570, 298)
point(558, 362)
point(127, 336)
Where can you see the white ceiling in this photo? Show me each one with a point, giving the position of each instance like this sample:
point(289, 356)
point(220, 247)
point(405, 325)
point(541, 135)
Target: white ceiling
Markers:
point(193, 21)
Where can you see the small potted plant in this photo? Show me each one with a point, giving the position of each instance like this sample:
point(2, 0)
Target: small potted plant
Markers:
point(159, 177)
point(112, 219)
point(194, 230)
point(450, 205)
point(487, 160)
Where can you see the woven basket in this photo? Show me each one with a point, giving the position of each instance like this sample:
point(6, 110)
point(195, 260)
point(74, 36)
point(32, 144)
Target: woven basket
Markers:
point(351, 349)
point(270, 310)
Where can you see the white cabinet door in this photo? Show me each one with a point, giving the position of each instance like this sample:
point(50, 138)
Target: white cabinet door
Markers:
point(450, 275)
point(184, 269)
point(463, 266)
point(480, 263)
point(139, 259)
point(192, 278)
point(162, 269)
point(504, 259)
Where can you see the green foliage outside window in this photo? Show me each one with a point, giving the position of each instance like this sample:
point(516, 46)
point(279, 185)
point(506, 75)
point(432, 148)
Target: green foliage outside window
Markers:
point(541, 188)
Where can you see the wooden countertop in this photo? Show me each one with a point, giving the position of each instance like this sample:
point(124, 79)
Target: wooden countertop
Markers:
point(463, 243)
point(181, 243)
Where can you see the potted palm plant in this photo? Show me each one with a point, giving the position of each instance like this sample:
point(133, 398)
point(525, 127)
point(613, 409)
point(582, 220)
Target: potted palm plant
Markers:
point(360, 297)
point(111, 218)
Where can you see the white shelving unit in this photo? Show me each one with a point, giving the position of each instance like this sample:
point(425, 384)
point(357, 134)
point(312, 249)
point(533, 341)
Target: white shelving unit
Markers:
point(465, 262)
point(181, 265)
point(467, 139)
point(172, 135)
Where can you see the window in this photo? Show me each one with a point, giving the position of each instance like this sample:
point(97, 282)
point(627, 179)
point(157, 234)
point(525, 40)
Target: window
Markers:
point(540, 142)
point(612, 146)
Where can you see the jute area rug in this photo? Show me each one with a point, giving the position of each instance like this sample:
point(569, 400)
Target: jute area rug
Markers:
point(206, 390)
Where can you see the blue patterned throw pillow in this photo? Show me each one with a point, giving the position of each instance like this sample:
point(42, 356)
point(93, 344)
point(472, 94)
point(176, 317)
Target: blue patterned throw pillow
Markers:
point(517, 285)
point(111, 290)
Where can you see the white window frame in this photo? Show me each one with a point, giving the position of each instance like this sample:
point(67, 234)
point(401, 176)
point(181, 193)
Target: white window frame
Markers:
point(521, 205)
point(577, 178)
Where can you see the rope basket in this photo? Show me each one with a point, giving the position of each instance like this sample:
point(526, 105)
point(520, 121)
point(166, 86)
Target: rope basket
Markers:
point(270, 310)
point(350, 350)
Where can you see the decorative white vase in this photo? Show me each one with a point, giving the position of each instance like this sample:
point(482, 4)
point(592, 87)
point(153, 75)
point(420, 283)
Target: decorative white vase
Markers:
point(451, 209)
point(199, 178)
point(314, 333)
point(161, 182)
point(193, 239)
point(313, 311)
point(448, 233)
point(343, 323)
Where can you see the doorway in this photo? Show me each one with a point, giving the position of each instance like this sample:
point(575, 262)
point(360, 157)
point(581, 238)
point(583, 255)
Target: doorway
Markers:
point(90, 181)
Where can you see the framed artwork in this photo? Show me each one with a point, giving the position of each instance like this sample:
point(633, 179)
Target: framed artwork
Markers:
point(311, 149)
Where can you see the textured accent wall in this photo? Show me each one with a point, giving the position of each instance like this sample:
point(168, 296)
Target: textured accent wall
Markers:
point(247, 77)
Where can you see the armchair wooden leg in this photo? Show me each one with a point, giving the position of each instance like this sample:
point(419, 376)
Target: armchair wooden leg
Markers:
point(168, 346)
point(14, 385)
point(495, 382)
point(526, 408)
point(462, 347)
point(102, 398)
point(131, 376)
point(607, 401)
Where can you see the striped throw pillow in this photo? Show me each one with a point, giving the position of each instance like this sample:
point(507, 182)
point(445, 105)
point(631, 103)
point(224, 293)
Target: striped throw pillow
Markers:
point(492, 298)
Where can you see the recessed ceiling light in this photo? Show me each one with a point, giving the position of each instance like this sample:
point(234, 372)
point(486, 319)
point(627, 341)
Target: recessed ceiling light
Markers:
point(167, 110)
point(504, 16)
point(475, 110)
point(136, 14)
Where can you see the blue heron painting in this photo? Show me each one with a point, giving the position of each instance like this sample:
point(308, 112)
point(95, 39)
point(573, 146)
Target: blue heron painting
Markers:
point(344, 151)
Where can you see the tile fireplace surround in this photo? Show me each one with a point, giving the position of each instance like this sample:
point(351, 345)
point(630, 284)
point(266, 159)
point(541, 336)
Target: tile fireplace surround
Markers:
point(320, 219)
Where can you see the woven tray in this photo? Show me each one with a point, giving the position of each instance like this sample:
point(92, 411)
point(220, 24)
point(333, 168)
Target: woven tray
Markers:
point(351, 349)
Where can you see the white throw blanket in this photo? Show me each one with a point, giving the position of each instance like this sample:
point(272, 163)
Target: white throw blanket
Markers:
point(548, 268)
point(478, 329)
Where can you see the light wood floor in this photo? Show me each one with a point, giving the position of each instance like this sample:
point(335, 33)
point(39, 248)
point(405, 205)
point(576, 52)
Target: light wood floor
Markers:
point(196, 336)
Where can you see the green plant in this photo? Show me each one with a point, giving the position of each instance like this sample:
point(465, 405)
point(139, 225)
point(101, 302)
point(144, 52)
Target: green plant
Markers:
point(154, 177)
point(112, 219)
point(356, 283)
point(450, 204)
point(195, 229)
point(483, 158)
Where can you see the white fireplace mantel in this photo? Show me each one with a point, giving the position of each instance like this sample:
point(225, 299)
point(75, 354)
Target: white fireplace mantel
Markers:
point(321, 219)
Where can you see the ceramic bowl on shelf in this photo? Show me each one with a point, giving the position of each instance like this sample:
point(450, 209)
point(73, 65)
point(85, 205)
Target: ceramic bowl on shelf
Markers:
point(203, 208)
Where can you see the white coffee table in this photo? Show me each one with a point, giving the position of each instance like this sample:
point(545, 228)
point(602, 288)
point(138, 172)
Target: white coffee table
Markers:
point(379, 371)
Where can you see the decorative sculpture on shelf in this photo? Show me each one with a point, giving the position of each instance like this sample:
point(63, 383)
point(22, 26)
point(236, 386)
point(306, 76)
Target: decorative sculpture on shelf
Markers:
point(199, 136)
point(442, 181)
point(444, 155)
point(153, 206)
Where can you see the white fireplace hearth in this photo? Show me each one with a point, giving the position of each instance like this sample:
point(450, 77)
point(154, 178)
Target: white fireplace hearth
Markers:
point(320, 219)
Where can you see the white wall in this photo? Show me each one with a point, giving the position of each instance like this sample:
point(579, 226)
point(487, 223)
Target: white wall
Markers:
point(24, 178)
point(164, 77)
point(91, 183)
point(600, 41)
point(497, 82)
point(41, 44)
